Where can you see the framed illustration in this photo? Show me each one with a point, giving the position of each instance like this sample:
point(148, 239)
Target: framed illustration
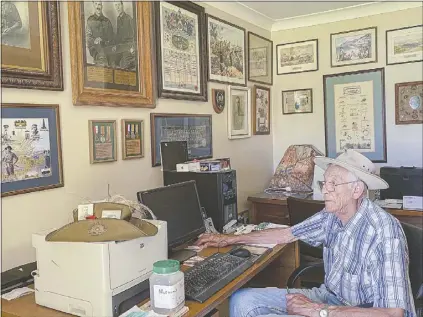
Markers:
point(355, 113)
point(297, 101)
point(260, 59)
point(353, 47)
point(132, 132)
point(404, 45)
point(111, 60)
point(227, 57)
point(31, 148)
point(103, 141)
point(239, 112)
point(195, 129)
point(181, 50)
point(297, 57)
point(31, 45)
point(261, 110)
point(218, 100)
point(409, 102)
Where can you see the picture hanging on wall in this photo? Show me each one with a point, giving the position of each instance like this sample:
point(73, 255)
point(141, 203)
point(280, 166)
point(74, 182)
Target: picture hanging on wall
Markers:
point(261, 110)
point(31, 45)
point(355, 113)
point(353, 47)
point(404, 45)
point(409, 102)
point(111, 60)
point(31, 148)
point(218, 100)
point(297, 57)
point(181, 50)
point(103, 141)
point(132, 131)
point(297, 101)
point(239, 112)
point(260, 59)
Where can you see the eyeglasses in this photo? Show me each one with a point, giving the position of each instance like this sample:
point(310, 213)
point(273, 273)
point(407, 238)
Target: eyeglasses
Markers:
point(330, 187)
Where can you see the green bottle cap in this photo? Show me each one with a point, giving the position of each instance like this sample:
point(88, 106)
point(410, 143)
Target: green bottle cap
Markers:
point(166, 266)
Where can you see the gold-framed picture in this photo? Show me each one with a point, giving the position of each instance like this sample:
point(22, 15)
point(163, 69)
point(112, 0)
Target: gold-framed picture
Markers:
point(31, 45)
point(132, 131)
point(110, 44)
point(103, 141)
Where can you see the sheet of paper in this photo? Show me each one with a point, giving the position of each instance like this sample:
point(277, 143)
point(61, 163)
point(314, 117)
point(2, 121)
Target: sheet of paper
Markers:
point(16, 293)
point(134, 312)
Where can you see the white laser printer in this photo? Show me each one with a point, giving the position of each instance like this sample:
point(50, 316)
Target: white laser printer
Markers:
point(97, 278)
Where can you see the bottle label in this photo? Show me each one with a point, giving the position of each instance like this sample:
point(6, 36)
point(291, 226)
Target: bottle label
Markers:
point(169, 297)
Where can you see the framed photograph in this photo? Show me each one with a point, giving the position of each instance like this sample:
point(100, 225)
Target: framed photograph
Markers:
point(355, 113)
point(297, 101)
point(239, 112)
point(181, 50)
point(31, 148)
point(103, 141)
point(353, 47)
point(409, 103)
point(261, 110)
point(404, 45)
point(31, 45)
point(297, 57)
point(110, 44)
point(132, 132)
point(260, 59)
point(227, 57)
point(195, 129)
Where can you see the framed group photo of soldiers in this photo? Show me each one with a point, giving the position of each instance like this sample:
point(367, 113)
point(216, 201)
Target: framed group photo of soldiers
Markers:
point(30, 45)
point(110, 44)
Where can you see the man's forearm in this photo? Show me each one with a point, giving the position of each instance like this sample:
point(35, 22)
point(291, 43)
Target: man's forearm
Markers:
point(265, 236)
point(345, 311)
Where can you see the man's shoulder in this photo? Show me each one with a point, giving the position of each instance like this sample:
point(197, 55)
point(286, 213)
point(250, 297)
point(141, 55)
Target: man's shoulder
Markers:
point(384, 224)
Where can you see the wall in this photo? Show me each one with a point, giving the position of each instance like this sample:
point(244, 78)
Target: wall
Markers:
point(404, 142)
point(24, 214)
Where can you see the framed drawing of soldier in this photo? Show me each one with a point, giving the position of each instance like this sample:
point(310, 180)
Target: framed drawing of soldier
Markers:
point(181, 48)
point(260, 59)
point(31, 45)
point(239, 112)
point(110, 45)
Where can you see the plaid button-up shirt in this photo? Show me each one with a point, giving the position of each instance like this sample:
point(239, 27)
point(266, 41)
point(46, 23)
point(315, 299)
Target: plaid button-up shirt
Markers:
point(366, 261)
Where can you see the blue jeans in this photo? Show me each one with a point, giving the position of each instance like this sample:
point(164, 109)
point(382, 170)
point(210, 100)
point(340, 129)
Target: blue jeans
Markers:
point(271, 301)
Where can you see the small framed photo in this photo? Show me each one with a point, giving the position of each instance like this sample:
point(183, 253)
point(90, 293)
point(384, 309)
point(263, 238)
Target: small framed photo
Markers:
point(260, 59)
point(297, 57)
point(409, 103)
point(404, 45)
point(353, 47)
point(132, 138)
point(297, 101)
point(261, 110)
point(239, 112)
point(103, 141)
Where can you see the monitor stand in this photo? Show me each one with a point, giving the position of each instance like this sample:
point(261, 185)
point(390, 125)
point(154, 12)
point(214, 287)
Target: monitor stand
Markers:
point(181, 255)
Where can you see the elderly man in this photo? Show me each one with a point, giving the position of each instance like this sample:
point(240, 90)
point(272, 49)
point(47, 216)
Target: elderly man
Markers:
point(365, 252)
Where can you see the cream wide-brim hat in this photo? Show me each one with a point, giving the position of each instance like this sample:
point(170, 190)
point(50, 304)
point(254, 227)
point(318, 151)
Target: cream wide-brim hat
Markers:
point(356, 163)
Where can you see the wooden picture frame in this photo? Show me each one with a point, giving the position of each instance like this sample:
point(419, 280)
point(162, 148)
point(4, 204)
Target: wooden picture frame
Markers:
point(102, 140)
point(409, 103)
point(297, 101)
point(297, 57)
point(239, 112)
point(32, 55)
point(132, 133)
point(261, 110)
point(31, 148)
point(409, 39)
point(260, 59)
point(106, 70)
point(193, 39)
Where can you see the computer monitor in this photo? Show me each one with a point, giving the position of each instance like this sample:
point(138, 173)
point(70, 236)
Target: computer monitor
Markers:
point(178, 205)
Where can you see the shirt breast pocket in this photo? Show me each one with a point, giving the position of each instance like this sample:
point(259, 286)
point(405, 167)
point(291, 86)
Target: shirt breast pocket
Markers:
point(350, 284)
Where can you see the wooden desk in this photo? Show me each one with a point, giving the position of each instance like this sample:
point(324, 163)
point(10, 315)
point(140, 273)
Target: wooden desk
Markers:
point(288, 254)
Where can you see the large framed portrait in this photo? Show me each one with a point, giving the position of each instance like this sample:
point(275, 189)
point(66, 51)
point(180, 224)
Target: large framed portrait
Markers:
point(409, 103)
point(239, 112)
point(297, 57)
point(195, 129)
point(103, 141)
point(132, 131)
point(404, 45)
point(227, 57)
point(260, 59)
point(31, 45)
point(181, 50)
point(353, 47)
point(261, 110)
point(355, 113)
point(297, 101)
point(31, 148)
point(110, 44)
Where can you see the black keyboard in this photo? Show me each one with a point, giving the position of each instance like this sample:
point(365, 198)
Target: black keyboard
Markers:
point(212, 274)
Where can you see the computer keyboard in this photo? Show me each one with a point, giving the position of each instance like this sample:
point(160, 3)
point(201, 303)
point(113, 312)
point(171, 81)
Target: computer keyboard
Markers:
point(212, 274)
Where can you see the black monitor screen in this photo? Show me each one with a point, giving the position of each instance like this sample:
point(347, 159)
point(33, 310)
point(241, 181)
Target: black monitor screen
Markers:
point(178, 205)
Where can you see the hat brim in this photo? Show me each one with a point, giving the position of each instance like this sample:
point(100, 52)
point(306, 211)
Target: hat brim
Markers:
point(372, 181)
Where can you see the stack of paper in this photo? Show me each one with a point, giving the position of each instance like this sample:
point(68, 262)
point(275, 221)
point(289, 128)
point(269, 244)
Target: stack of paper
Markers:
point(146, 311)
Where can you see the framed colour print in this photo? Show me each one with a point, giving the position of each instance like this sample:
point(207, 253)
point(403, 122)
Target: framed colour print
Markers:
point(297, 57)
point(404, 45)
point(31, 148)
point(181, 50)
point(31, 45)
point(103, 141)
point(261, 110)
point(297, 101)
point(110, 44)
point(239, 112)
point(132, 132)
point(409, 103)
point(260, 59)
point(355, 113)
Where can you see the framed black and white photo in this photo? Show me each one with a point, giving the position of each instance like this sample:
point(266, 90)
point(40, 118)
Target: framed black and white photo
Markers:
point(404, 45)
point(353, 47)
point(297, 57)
point(260, 59)
point(239, 112)
point(297, 101)
point(227, 56)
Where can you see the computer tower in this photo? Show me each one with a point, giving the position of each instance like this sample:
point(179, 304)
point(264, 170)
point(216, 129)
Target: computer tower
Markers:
point(217, 192)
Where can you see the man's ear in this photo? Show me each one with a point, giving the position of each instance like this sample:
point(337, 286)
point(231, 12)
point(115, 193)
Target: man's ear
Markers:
point(358, 189)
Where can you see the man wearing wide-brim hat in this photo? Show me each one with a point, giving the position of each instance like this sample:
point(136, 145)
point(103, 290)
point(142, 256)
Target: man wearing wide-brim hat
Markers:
point(365, 252)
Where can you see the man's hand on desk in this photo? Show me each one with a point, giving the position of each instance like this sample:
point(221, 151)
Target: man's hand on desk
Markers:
point(215, 240)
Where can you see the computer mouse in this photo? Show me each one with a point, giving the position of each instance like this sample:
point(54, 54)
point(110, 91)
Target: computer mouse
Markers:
point(241, 252)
